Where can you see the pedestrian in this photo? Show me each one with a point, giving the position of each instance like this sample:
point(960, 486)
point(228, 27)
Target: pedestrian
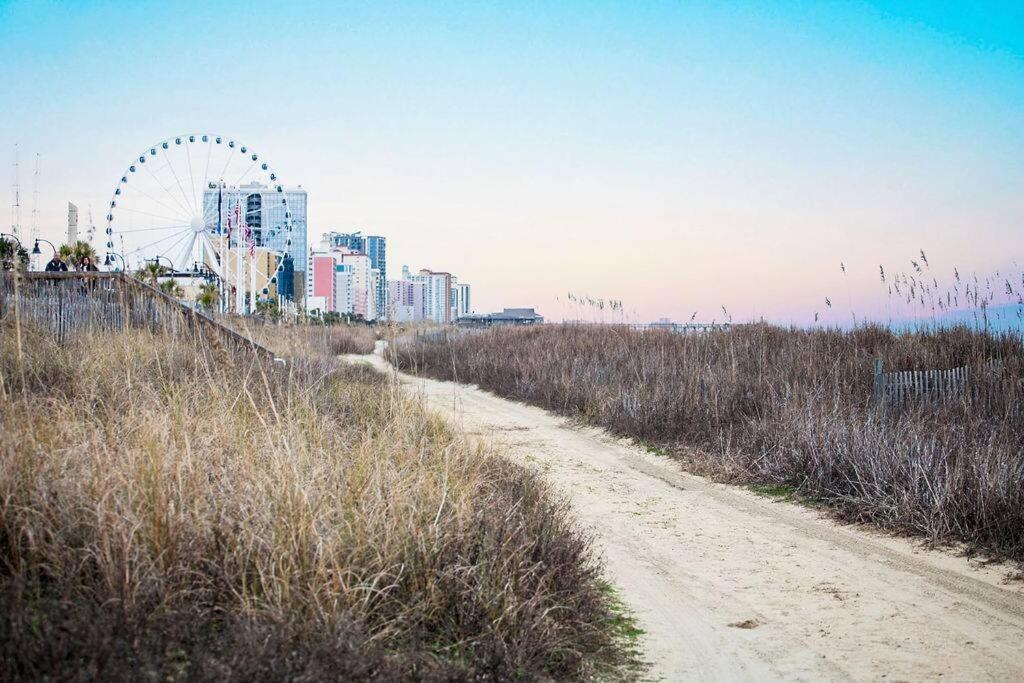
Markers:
point(87, 266)
point(56, 264)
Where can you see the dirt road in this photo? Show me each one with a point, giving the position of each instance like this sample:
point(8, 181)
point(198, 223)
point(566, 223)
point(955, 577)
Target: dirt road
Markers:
point(729, 585)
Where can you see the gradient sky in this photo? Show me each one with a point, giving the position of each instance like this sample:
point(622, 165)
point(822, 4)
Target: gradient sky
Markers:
point(680, 157)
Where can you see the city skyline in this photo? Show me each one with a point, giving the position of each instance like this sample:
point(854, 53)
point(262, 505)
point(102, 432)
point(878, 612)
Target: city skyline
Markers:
point(678, 159)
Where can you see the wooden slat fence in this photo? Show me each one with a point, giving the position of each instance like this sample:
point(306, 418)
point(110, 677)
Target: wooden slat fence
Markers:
point(898, 387)
point(71, 304)
point(432, 334)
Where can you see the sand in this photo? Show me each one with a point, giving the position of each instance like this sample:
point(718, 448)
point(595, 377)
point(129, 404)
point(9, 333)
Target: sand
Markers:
point(730, 585)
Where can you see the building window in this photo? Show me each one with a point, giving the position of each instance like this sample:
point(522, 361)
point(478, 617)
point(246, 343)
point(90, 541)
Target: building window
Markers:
point(254, 217)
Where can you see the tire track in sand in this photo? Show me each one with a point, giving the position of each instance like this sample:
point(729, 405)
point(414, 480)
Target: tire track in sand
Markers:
point(732, 586)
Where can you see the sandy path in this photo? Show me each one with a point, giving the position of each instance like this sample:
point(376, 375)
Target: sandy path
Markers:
point(693, 559)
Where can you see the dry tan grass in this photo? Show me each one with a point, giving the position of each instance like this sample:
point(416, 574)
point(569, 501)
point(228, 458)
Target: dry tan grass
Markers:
point(168, 512)
point(306, 340)
point(768, 405)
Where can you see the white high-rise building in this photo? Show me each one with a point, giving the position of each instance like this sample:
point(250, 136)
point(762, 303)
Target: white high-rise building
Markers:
point(459, 300)
point(407, 300)
point(363, 295)
point(376, 299)
point(344, 290)
point(437, 294)
point(463, 305)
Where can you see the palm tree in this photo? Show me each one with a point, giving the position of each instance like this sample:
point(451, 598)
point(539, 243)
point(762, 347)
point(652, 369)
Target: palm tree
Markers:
point(10, 254)
point(150, 272)
point(269, 308)
point(171, 288)
point(76, 252)
point(208, 296)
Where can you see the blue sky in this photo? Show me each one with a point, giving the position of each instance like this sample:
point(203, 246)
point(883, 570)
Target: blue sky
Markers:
point(677, 156)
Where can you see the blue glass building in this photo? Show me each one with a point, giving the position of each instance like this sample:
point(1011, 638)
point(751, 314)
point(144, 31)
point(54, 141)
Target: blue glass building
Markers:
point(267, 212)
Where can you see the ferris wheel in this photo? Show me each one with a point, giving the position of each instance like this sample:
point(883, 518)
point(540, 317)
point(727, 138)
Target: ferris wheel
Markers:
point(207, 206)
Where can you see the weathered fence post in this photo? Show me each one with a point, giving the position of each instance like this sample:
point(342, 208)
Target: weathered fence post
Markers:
point(60, 312)
point(878, 393)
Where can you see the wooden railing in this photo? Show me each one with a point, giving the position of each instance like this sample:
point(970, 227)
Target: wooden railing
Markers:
point(70, 304)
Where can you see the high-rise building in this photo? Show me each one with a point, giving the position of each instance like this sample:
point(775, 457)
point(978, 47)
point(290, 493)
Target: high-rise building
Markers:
point(267, 211)
point(321, 282)
point(344, 294)
point(331, 285)
point(406, 300)
point(346, 280)
point(286, 278)
point(376, 248)
point(463, 306)
point(437, 294)
point(350, 240)
point(452, 303)
point(363, 299)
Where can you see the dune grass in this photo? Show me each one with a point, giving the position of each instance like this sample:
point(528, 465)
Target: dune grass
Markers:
point(170, 513)
point(305, 340)
point(784, 407)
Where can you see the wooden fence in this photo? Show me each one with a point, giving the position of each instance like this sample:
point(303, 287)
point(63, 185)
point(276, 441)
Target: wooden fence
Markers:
point(898, 387)
point(71, 304)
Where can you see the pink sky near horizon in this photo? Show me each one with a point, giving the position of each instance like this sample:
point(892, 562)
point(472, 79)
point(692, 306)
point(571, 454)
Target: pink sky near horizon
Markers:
point(677, 157)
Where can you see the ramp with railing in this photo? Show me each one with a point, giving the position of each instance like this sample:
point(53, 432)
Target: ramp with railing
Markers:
point(71, 304)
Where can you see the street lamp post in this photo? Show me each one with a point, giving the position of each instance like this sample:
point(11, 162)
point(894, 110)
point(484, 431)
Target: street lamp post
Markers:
point(108, 262)
point(156, 260)
point(36, 250)
point(14, 251)
point(9, 236)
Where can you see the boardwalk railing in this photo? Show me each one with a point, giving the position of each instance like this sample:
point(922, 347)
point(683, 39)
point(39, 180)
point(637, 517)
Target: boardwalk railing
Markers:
point(71, 304)
point(898, 387)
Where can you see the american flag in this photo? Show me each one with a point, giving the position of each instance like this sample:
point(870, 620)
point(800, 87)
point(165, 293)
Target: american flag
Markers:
point(246, 232)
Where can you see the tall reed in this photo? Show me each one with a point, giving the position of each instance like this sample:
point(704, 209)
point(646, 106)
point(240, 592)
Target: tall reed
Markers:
point(764, 404)
point(303, 339)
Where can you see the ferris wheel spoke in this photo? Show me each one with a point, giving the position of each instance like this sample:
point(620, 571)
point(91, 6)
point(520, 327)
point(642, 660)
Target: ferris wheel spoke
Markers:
point(167, 192)
point(162, 227)
point(150, 214)
point(188, 157)
point(149, 245)
point(173, 210)
point(169, 248)
point(245, 172)
point(223, 171)
point(206, 173)
point(210, 213)
point(166, 188)
point(186, 253)
point(208, 251)
point(177, 180)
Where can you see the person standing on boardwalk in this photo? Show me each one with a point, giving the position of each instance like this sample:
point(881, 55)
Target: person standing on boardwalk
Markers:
point(56, 264)
point(87, 266)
